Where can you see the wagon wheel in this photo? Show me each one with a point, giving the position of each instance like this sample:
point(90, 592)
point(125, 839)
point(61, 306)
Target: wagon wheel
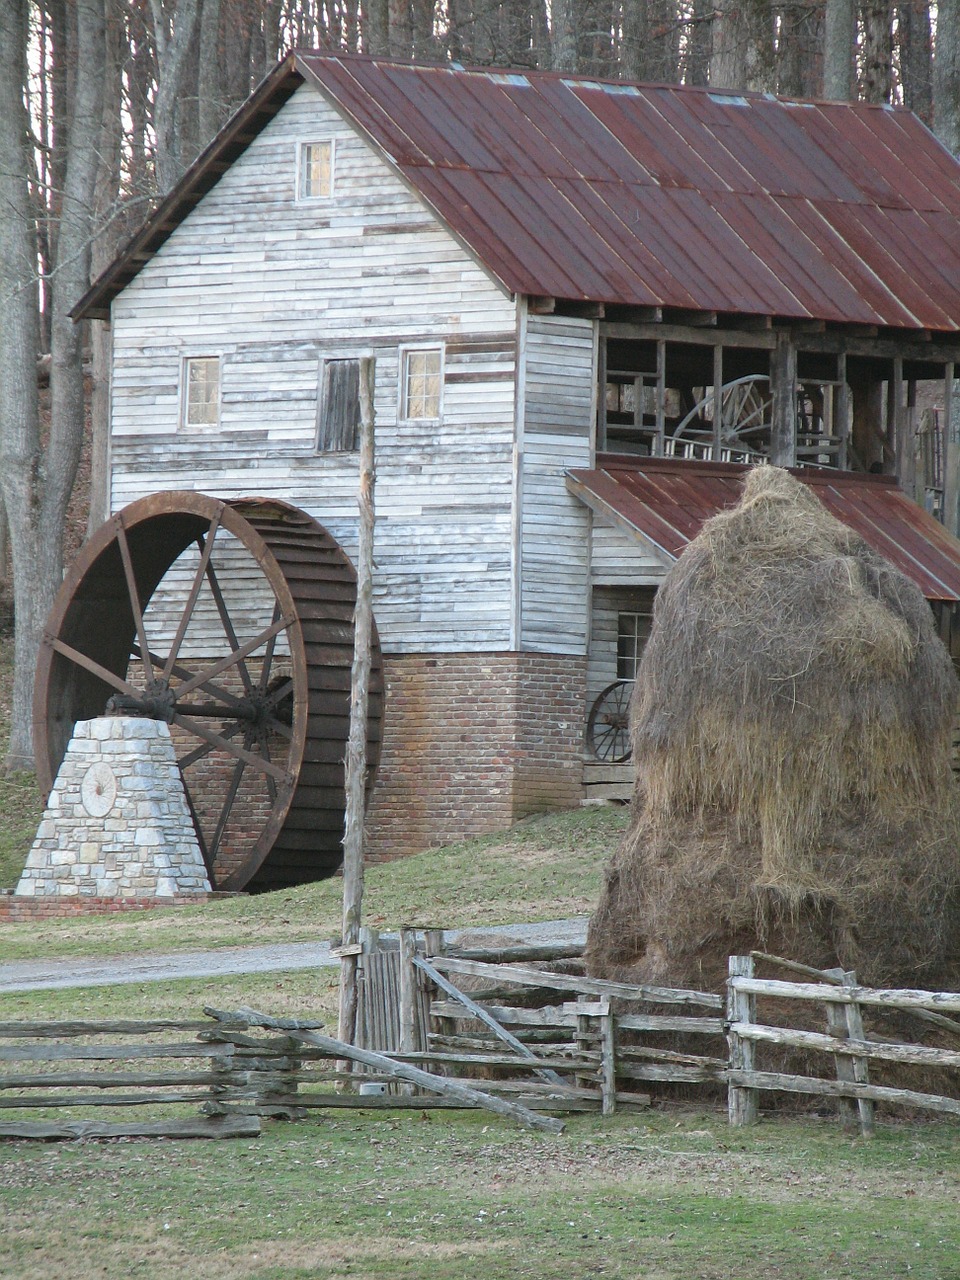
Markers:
point(608, 725)
point(232, 622)
point(746, 405)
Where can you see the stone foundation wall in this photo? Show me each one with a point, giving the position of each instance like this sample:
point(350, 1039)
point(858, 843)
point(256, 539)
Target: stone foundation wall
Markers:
point(472, 744)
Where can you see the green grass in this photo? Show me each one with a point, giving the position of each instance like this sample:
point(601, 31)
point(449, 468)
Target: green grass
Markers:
point(675, 1196)
point(541, 870)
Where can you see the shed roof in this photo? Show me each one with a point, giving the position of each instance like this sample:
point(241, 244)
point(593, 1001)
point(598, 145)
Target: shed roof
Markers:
point(641, 195)
point(667, 501)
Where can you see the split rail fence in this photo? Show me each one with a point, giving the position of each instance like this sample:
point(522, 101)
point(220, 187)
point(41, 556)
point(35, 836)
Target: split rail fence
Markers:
point(498, 1030)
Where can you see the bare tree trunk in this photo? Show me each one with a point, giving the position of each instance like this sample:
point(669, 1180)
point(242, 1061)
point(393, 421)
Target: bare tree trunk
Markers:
point(742, 51)
point(946, 76)
point(208, 72)
point(20, 456)
point(876, 79)
point(840, 23)
point(916, 57)
point(698, 45)
point(563, 35)
point(109, 234)
point(377, 28)
point(173, 37)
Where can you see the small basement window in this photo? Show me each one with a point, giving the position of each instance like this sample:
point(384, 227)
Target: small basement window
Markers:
point(420, 383)
point(201, 391)
point(633, 631)
point(339, 425)
point(315, 163)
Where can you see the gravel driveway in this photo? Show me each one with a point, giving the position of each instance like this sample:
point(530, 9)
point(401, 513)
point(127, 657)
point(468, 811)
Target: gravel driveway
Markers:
point(46, 975)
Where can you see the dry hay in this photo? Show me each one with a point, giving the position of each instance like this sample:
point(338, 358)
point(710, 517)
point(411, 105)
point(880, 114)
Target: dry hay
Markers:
point(791, 723)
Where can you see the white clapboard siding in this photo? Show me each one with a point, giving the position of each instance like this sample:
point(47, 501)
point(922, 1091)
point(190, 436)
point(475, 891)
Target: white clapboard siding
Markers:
point(559, 381)
point(619, 559)
point(272, 287)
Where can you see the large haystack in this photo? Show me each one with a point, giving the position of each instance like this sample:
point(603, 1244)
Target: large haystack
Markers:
point(792, 723)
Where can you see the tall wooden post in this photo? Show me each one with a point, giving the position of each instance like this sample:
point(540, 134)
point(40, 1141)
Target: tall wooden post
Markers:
point(783, 386)
point(356, 758)
point(951, 452)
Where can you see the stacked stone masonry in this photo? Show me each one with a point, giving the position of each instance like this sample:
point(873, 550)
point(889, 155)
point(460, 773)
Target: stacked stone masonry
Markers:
point(473, 743)
point(117, 822)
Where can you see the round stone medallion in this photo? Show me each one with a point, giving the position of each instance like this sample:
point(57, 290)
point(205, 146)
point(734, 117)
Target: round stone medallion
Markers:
point(98, 790)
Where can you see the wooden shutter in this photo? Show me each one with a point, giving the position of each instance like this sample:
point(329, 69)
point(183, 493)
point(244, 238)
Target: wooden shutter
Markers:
point(339, 406)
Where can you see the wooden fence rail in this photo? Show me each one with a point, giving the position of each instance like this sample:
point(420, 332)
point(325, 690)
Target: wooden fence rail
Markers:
point(523, 1041)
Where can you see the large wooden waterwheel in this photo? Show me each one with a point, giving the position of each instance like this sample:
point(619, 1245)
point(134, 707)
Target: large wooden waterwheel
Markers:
point(233, 622)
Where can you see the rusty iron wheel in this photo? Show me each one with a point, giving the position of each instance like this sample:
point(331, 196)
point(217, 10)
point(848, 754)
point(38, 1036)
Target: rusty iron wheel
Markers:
point(608, 725)
point(260, 739)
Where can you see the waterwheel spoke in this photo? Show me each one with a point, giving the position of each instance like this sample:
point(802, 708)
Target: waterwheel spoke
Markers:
point(184, 673)
point(268, 653)
point(206, 550)
point(204, 851)
point(205, 674)
point(134, 594)
point(265, 752)
point(223, 743)
point(89, 664)
point(227, 808)
point(200, 752)
point(228, 627)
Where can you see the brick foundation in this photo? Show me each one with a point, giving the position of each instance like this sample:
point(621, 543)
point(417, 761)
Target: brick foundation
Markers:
point(473, 743)
point(16, 908)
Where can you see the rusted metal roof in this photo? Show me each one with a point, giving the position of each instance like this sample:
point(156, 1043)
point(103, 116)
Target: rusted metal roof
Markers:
point(644, 195)
point(666, 502)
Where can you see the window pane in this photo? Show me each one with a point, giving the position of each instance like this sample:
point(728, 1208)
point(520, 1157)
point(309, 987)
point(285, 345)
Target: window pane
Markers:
point(421, 384)
point(315, 170)
point(203, 391)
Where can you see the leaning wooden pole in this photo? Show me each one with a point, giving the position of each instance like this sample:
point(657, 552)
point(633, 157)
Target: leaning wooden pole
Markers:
point(356, 757)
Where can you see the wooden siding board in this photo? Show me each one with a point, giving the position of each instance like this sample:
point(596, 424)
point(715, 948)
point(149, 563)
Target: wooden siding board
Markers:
point(559, 396)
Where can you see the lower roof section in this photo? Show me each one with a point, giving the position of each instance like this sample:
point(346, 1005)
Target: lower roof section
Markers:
point(666, 502)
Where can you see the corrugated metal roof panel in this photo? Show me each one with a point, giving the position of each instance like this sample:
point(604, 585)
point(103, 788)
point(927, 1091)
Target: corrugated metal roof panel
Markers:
point(641, 195)
point(667, 502)
point(748, 205)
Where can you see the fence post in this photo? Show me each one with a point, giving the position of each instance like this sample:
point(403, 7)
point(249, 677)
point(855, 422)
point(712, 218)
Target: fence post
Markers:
point(743, 1104)
point(409, 1023)
point(861, 1070)
point(608, 1059)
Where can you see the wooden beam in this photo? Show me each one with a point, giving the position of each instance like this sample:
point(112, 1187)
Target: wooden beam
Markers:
point(783, 383)
point(356, 756)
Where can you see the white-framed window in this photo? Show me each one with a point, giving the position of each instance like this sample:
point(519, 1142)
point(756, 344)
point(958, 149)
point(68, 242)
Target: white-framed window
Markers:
point(315, 170)
point(633, 631)
point(338, 426)
point(421, 383)
point(201, 391)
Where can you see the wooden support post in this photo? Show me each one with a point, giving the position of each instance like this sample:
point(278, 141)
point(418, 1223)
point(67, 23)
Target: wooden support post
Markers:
point(951, 453)
point(843, 413)
point(661, 398)
point(608, 1059)
point(356, 758)
point(743, 1105)
point(717, 402)
point(783, 384)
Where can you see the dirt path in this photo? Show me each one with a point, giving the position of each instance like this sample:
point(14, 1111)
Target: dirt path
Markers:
point(46, 975)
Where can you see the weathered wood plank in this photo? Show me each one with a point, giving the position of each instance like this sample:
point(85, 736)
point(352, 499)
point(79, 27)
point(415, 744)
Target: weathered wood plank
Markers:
point(838, 1088)
point(201, 1127)
point(588, 986)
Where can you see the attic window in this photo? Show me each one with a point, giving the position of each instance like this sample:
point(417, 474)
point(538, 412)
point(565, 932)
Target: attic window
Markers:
point(201, 391)
point(315, 163)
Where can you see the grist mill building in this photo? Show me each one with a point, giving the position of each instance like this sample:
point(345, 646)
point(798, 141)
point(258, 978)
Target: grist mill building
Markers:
point(591, 306)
